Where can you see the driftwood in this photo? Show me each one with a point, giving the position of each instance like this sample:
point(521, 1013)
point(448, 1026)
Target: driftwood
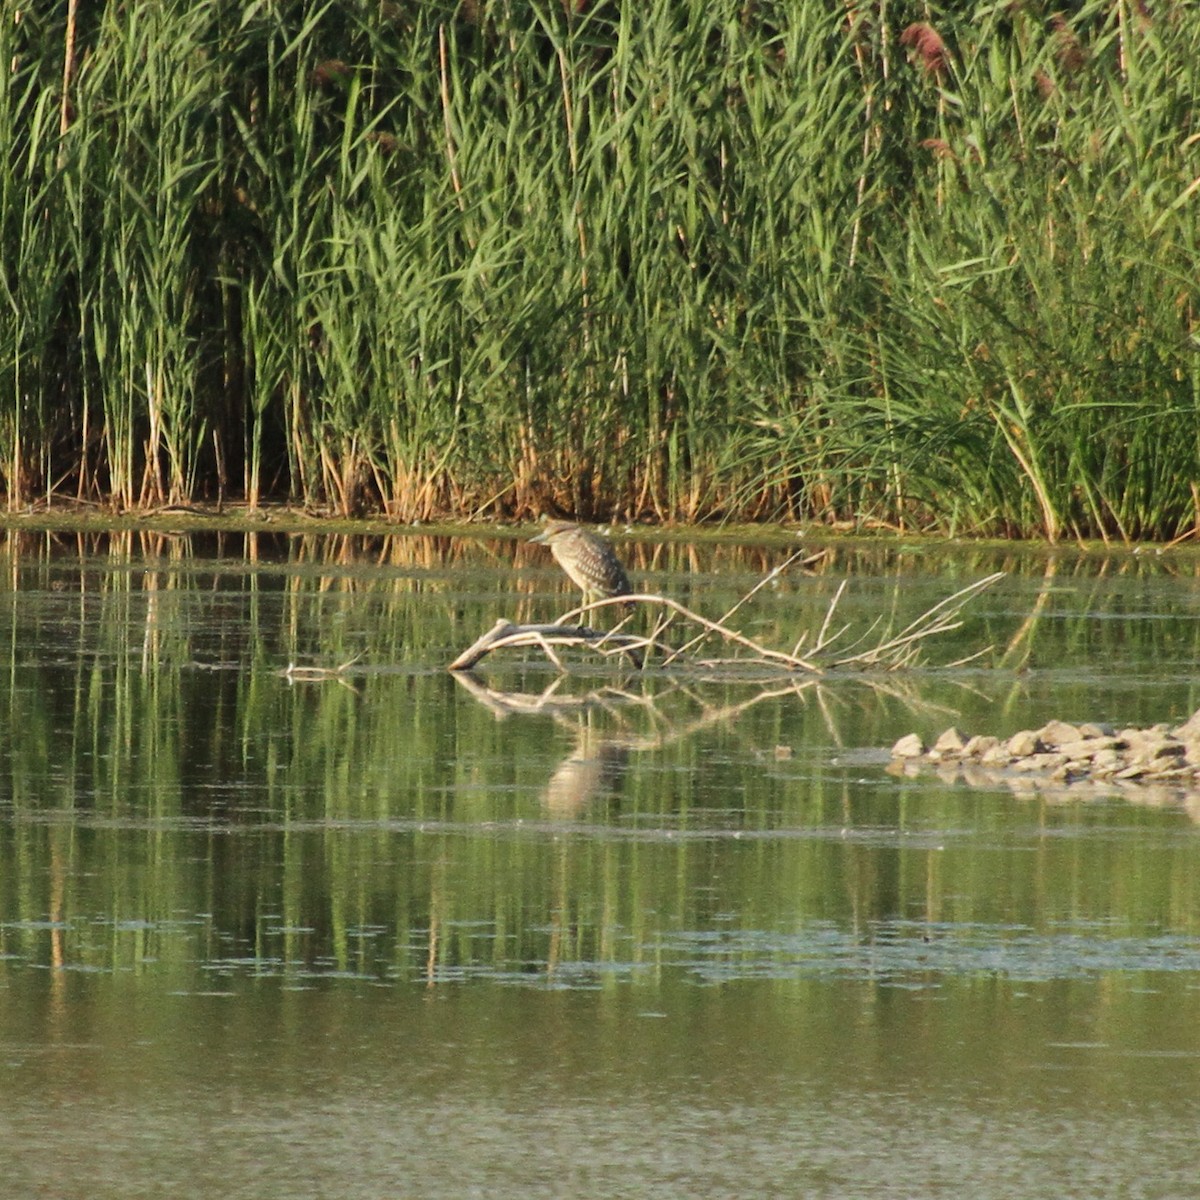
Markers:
point(294, 673)
point(890, 651)
point(546, 637)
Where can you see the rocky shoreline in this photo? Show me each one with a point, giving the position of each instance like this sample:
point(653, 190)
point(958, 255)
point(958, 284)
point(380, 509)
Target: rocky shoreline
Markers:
point(1077, 757)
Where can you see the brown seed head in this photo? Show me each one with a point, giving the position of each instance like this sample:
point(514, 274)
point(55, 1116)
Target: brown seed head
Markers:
point(927, 46)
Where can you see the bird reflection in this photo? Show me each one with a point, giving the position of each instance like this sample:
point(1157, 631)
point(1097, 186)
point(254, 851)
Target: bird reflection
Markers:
point(593, 769)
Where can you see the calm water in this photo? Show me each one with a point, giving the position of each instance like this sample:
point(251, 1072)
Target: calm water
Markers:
point(385, 933)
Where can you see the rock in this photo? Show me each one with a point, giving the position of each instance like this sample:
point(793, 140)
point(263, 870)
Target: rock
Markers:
point(995, 756)
point(1175, 775)
point(1087, 756)
point(1089, 747)
point(1071, 770)
point(1039, 762)
point(950, 744)
point(909, 746)
point(1056, 733)
point(1023, 744)
point(1189, 731)
point(979, 745)
point(1152, 745)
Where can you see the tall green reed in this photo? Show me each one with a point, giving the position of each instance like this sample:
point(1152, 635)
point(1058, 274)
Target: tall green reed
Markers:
point(1019, 355)
point(31, 292)
point(882, 263)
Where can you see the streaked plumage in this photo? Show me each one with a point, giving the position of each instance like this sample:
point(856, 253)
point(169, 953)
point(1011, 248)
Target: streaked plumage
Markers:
point(587, 559)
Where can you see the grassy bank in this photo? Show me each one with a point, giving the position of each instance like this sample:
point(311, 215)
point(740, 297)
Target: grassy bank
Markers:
point(873, 263)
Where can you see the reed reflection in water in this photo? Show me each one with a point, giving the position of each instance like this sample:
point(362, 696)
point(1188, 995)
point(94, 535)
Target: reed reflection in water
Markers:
point(689, 931)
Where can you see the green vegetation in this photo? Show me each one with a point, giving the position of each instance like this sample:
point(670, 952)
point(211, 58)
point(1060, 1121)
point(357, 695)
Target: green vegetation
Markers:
point(926, 265)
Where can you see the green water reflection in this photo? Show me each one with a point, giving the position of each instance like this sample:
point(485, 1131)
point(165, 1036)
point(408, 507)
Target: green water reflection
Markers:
point(383, 932)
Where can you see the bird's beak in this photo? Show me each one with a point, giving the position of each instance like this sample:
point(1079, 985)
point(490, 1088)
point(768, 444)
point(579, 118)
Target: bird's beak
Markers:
point(540, 539)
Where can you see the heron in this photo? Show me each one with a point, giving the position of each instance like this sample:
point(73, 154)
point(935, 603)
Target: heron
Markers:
point(587, 559)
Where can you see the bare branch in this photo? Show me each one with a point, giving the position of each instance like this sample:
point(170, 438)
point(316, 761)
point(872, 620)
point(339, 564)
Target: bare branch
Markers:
point(890, 651)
